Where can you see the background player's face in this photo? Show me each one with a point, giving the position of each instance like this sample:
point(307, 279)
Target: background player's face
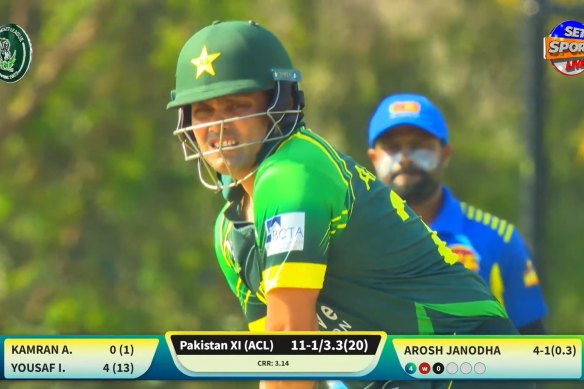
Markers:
point(220, 140)
point(411, 161)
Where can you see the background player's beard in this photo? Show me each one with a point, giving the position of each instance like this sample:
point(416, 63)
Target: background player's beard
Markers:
point(419, 191)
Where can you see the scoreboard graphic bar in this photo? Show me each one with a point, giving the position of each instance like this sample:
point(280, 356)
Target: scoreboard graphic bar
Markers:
point(300, 355)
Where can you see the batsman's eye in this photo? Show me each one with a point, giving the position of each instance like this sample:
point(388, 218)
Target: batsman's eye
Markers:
point(236, 108)
point(201, 113)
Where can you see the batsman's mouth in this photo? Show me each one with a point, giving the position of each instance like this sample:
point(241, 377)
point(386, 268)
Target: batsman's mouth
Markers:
point(215, 144)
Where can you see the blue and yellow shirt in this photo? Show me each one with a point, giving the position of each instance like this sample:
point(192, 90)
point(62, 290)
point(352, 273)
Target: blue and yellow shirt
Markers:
point(494, 249)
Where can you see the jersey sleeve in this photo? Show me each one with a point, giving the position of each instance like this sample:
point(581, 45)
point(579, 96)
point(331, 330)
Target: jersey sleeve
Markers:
point(522, 293)
point(253, 306)
point(295, 211)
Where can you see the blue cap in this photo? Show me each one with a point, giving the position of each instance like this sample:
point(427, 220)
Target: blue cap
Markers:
point(407, 109)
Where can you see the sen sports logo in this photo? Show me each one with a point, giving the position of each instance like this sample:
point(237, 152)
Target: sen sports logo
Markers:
point(564, 48)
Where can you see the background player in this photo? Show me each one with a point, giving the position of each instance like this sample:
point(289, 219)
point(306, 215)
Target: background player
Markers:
point(408, 140)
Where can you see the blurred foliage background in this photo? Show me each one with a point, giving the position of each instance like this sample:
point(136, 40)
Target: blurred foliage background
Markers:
point(105, 230)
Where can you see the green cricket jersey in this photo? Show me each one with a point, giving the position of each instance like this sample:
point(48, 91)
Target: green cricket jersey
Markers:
point(322, 221)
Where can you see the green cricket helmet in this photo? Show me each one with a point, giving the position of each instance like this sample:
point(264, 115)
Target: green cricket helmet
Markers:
point(228, 58)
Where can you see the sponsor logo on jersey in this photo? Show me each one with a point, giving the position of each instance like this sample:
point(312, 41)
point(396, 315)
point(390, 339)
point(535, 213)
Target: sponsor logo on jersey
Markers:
point(467, 256)
point(285, 232)
point(530, 277)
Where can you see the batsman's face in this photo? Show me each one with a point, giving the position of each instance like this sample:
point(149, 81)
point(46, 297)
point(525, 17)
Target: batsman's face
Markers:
point(230, 146)
point(411, 161)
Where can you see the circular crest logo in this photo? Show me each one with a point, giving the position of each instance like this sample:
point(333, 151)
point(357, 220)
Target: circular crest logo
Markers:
point(15, 52)
point(564, 48)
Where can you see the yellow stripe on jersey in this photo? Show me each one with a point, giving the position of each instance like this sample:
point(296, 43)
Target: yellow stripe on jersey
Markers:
point(261, 294)
point(294, 275)
point(237, 286)
point(494, 222)
point(223, 238)
point(325, 238)
point(258, 325)
point(447, 255)
point(399, 205)
point(337, 223)
point(508, 234)
point(245, 301)
point(470, 212)
point(225, 242)
point(502, 226)
point(496, 283)
point(479, 215)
